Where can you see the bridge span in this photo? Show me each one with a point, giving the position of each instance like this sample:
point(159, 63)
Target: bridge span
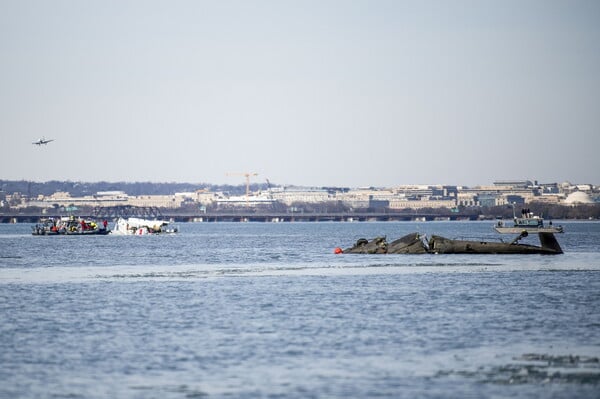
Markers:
point(248, 216)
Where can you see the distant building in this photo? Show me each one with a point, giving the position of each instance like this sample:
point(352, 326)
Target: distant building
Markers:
point(578, 197)
point(400, 197)
point(290, 195)
point(487, 199)
point(107, 198)
point(514, 183)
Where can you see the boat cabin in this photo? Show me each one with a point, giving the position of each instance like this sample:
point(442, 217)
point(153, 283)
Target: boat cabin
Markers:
point(529, 222)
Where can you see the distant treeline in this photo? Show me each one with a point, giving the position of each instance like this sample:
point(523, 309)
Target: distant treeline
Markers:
point(80, 189)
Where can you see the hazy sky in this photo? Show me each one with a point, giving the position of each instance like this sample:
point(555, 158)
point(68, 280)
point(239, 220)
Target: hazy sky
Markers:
point(346, 93)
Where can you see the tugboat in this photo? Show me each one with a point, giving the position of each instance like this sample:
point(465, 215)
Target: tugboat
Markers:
point(416, 244)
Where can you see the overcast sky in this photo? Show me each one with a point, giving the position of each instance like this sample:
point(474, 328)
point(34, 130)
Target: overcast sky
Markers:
point(344, 93)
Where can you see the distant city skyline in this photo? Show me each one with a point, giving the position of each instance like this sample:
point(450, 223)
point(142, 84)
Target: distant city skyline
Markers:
point(311, 93)
point(264, 183)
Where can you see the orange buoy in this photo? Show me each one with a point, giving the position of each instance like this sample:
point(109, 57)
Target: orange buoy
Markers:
point(338, 250)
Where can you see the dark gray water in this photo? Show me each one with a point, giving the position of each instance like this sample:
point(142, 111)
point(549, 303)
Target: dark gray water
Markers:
point(267, 310)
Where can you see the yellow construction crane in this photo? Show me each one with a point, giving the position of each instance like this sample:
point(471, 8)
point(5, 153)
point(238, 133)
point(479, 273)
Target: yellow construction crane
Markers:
point(247, 175)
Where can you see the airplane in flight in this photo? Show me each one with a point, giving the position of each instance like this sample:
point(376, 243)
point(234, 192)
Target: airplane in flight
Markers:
point(42, 141)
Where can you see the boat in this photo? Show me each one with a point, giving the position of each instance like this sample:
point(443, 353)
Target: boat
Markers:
point(69, 226)
point(414, 243)
point(139, 226)
point(527, 222)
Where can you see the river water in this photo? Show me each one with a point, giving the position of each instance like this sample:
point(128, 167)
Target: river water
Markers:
point(247, 310)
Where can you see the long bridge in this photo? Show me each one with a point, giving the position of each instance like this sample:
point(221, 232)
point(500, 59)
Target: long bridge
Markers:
point(112, 213)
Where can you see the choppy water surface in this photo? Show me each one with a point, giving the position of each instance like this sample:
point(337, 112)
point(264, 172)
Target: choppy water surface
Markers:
point(267, 310)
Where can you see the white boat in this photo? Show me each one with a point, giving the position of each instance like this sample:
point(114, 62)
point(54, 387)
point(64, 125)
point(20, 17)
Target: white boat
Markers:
point(138, 226)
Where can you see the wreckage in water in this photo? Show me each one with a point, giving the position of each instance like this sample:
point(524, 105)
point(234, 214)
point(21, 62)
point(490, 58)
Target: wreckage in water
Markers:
point(414, 243)
point(139, 226)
